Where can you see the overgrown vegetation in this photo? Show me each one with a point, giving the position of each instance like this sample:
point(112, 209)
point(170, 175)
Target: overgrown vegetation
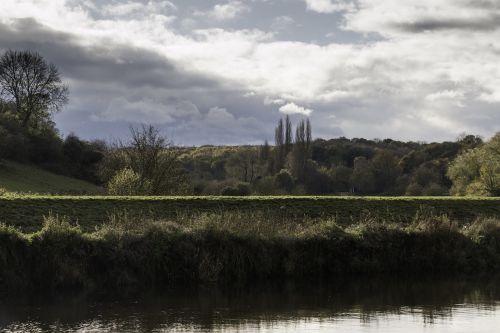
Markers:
point(237, 248)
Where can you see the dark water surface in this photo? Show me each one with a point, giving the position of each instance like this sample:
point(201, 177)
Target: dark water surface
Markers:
point(364, 305)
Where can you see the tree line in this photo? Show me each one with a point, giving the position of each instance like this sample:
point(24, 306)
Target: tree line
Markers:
point(32, 91)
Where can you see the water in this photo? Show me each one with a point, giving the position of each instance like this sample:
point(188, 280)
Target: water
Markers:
point(367, 305)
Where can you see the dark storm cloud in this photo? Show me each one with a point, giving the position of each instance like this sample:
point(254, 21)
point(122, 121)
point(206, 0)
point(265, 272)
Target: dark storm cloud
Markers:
point(482, 4)
point(111, 63)
point(114, 85)
point(489, 23)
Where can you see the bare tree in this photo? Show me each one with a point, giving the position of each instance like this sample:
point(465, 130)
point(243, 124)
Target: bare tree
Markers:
point(33, 85)
point(243, 164)
point(155, 160)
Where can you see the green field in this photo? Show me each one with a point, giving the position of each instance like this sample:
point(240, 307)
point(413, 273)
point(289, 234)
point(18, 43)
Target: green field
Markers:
point(27, 212)
point(15, 177)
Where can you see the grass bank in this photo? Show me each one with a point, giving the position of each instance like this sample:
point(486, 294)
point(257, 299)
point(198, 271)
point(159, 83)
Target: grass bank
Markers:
point(24, 178)
point(126, 253)
point(27, 212)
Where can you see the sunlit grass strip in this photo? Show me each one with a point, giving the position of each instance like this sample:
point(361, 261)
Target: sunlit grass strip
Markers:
point(27, 211)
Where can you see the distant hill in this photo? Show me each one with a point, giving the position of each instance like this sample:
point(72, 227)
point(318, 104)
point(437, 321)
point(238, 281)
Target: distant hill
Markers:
point(16, 177)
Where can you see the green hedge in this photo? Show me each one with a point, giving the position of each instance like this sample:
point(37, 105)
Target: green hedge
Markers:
point(27, 212)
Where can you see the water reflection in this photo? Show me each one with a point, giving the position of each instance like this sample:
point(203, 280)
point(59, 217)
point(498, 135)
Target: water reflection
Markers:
point(362, 305)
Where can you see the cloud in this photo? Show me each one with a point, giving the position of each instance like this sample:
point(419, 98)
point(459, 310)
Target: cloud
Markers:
point(328, 6)
point(134, 8)
point(425, 71)
point(390, 17)
point(281, 23)
point(122, 110)
point(227, 11)
point(292, 108)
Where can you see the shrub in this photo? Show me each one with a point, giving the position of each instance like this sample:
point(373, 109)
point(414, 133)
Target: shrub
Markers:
point(127, 182)
point(265, 186)
point(240, 189)
point(284, 180)
point(414, 189)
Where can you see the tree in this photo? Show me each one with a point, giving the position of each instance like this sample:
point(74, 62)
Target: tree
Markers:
point(242, 164)
point(33, 85)
point(264, 152)
point(386, 170)
point(153, 158)
point(477, 171)
point(288, 135)
point(363, 177)
point(279, 150)
point(468, 141)
point(302, 151)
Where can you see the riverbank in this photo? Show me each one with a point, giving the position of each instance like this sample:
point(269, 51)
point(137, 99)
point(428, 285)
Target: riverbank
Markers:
point(230, 249)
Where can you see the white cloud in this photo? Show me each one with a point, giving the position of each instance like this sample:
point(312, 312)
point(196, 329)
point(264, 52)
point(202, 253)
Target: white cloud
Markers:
point(227, 11)
point(281, 23)
point(431, 66)
point(292, 108)
point(273, 101)
point(328, 6)
point(133, 8)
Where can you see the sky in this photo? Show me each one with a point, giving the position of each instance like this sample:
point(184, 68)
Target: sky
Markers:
point(224, 72)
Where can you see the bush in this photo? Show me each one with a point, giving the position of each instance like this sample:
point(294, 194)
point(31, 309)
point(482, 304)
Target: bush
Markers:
point(240, 189)
point(414, 189)
point(265, 186)
point(434, 189)
point(284, 180)
point(127, 182)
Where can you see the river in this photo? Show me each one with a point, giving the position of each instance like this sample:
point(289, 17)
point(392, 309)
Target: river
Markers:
point(382, 304)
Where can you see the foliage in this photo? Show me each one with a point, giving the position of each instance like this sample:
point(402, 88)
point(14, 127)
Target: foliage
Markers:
point(151, 157)
point(363, 176)
point(33, 86)
point(231, 248)
point(284, 180)
point(243, 164)
point(301, 152)
point(477, 171)
point(127, 182)
point(45, 148)
point(240, 189)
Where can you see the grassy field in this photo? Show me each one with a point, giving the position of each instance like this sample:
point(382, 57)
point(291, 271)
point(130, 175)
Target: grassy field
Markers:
point(233, 249)
point(27, 212)
point(15, 177)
